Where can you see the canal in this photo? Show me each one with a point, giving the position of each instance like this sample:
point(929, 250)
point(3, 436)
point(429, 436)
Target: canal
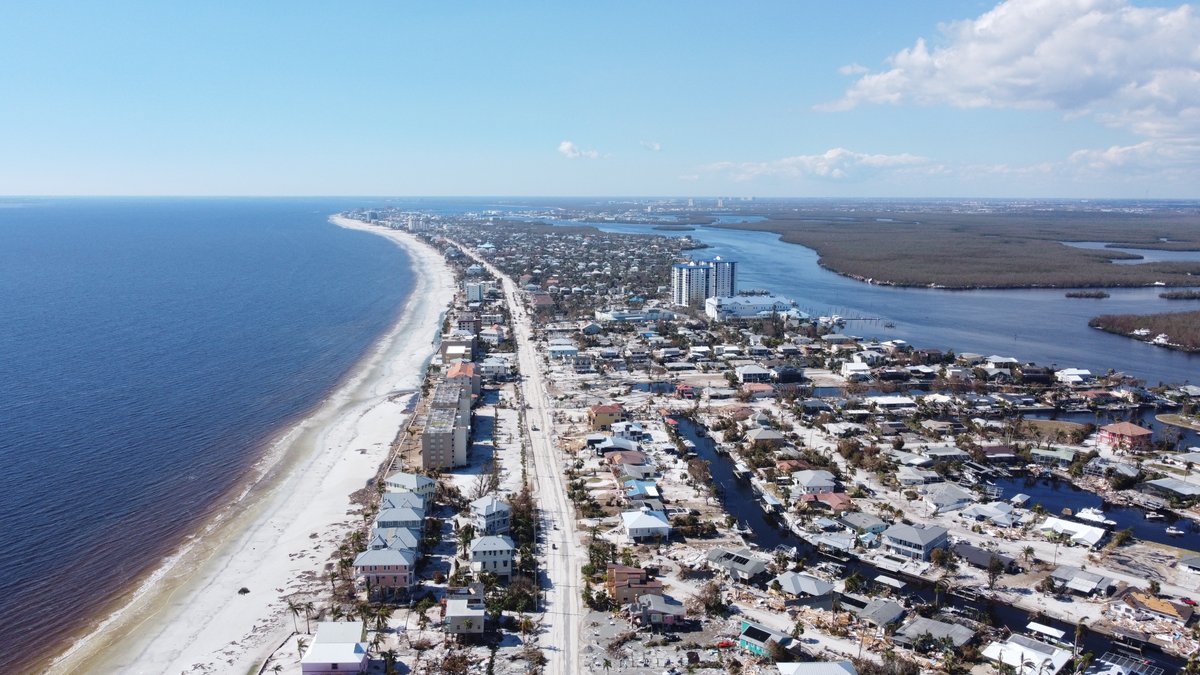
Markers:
point(741, 501)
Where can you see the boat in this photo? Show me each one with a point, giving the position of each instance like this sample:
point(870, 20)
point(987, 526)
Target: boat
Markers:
point(1094, 515)
point(743, 529)
point(1154, 515)
point(741, 470)
point(1174, 531)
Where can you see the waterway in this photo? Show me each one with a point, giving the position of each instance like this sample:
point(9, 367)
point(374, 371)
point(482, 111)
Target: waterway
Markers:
point(1055, 495)
point(1146, 255)
point(1039, 325)
point(739, 500)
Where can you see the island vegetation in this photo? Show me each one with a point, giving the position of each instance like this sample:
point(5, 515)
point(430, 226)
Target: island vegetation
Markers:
point(1097, 295)
point(928, 245)
point(1176, 330)
point(1180, 295)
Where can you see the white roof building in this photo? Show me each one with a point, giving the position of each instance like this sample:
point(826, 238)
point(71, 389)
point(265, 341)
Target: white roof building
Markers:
point(1027, 656)
point(646, 524)
point(336, 649)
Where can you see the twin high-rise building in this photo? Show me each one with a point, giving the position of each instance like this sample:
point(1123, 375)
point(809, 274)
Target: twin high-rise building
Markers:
point(694, 282)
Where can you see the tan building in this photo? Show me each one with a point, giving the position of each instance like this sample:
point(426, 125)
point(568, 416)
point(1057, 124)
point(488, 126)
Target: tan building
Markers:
point(466, 374)
point(602, 417)
point(626, 584)
point(444, 440)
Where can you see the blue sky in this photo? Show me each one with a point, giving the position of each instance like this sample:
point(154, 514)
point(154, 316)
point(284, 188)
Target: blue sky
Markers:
point(1024, 98)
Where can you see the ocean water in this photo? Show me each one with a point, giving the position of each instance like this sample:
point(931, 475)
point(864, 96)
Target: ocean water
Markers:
point(148, 350)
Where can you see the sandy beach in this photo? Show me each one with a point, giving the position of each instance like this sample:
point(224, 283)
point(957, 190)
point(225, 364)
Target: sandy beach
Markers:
point(275, 537)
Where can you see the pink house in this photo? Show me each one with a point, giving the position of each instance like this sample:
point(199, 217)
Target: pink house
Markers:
point(1125, 437)
point(386, 567)
point(658, 610)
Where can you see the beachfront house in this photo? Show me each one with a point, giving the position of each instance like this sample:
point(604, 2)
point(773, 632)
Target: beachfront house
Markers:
point(914, 541)
point(336, 648)
point(395, 537)
point(401, 517)
point(491, 515)
point(386, 568)
point(493, 554)
point(411, 482)
point(402, 500)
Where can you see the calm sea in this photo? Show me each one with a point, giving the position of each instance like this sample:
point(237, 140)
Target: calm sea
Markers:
point(148, 349)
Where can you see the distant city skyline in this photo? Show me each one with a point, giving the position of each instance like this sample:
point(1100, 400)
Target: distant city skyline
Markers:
point(1021, 99)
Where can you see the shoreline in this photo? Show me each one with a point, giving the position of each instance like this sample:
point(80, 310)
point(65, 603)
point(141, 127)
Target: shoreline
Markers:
point(281, 525)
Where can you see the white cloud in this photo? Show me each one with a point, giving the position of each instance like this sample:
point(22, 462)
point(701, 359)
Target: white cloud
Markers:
point(571, 151)
point(853, 69)
point(654, 146)
point(1135, 69)
point(834, 164)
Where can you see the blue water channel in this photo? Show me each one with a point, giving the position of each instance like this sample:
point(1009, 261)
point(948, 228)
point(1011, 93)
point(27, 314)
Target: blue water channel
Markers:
point(1039, 325)
point(740, 500)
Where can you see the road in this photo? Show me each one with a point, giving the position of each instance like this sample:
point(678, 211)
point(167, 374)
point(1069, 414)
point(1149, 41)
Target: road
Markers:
point(561, 550)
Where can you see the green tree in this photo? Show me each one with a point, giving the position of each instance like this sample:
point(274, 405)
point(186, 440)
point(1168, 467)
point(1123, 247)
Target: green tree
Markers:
point(994, 569)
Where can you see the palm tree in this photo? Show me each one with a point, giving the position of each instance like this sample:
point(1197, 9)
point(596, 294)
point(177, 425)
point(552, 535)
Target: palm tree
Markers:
point(336, 612)
point(466, 534)
point(1028, 553)
point(309, 608)
point(301, 643)
point(333, 576)
point(277, 668)
point(607, 666)
point(383, 614)
point(365, 612)
point(389, 661)
point(294, 607)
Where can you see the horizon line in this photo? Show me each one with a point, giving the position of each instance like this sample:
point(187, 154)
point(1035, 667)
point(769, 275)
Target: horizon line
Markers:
point(736, 199)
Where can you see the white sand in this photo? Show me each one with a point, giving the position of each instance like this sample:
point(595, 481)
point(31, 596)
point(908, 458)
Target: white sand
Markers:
point(278, 534)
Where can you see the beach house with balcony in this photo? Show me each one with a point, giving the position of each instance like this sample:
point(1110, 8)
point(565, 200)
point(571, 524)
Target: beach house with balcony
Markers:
point(386, 568)
point(491, 515)
point(411, 482)
point(914, 541)
point(493, 554)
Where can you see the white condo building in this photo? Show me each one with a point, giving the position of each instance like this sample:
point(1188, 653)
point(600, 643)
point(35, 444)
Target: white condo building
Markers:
point(693, 282)
point(689, 283)
point(721, 280)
